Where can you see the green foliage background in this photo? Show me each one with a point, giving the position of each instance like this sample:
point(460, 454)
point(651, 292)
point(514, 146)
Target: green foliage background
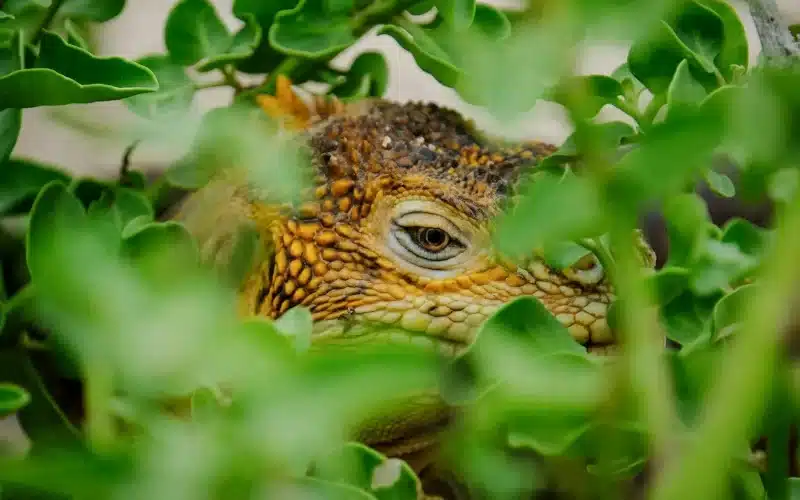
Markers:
point(99, 293)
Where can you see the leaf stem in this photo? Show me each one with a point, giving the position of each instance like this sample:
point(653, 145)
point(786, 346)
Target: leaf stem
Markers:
point(600, 251)
point(211, 85)
point(229, 78)
point(52, 10)
point(99, 392)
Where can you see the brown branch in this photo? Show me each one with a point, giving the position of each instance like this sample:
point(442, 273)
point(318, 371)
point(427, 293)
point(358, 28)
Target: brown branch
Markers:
point(778, 46)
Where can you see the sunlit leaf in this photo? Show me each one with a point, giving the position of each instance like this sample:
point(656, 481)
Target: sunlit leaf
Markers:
point(684, 90)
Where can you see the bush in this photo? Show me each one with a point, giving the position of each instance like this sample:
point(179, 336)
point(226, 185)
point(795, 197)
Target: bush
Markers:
point(125, 363)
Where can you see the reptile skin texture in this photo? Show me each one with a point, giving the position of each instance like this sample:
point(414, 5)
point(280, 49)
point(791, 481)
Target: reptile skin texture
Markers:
point(396, 232)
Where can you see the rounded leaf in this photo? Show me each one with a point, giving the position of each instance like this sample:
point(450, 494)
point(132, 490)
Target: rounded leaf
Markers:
point(457, 13)
point(98, 11)
point(194, 31)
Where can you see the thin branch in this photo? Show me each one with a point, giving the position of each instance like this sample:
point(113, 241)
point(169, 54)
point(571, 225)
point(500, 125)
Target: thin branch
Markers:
point(47, 20)
point(778, 46)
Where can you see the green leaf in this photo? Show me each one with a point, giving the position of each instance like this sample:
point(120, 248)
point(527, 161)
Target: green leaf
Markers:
point(312, 30)
point(700, 33)
point(720, 183)
point(783, 185)
point(368, 76)
point(588, 94)
point(429, 56)
point(734, 52)
point(421, 7)
point(309, 487)
point(98, 11)
point(10, 122)
point(548, 435)
point(457, 13)
point(718, 265)
point(491, 22)
point(54, 211)
point(750, 238)
point(668, 283)
point(265, 57)
point(688, 223)
point(194, 32)
point(526, 319)
point(12, 399)
point(561, 255)
point(632, 88)
point(296, 323)
point(68, 75)
point(684, 91)
point(21, 181)
point(241, 47)
point(5, 16)
point(654, 59)
point(368, 470)
point(727, 315)
point(175, 93)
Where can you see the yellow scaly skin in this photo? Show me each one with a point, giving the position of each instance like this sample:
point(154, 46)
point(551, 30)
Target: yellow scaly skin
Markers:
point(397, 232)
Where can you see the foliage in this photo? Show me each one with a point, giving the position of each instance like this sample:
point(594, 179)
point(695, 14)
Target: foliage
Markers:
point(120, 349)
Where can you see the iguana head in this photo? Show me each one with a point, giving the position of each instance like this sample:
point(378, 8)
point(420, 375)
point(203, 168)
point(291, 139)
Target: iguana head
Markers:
point(397, 233)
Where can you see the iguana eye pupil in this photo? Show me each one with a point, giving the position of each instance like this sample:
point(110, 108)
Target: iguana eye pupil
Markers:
point(432, 239)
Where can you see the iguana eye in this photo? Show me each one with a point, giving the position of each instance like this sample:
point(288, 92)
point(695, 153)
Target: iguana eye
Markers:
point(431, 239)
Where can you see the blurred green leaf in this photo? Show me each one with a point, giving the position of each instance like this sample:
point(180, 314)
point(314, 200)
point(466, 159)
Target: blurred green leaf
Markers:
point(368, 76)
point(313, 29)
point(296, 323)
point(655, 169)
point(368, 470)
point(532, 223)
point(421, 7)
point(726, 318)
point(68, 75)
point(194, 32)
point(309, 487)
point(591, 92)
point(457, 13)
point(89, 190)
point(668, 283)
point(654, 59)
point(783, 185)
point(561, 255)
point(175, 93)
point(548, 435)
point(721, 184)
point(98, 11)
point(718, 265)
point(684, 90)
point(749, 238)
point(12, 399)
point(5, 16)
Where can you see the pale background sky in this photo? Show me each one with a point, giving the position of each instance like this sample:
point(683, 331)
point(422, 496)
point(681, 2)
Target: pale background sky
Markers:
point(138, 31)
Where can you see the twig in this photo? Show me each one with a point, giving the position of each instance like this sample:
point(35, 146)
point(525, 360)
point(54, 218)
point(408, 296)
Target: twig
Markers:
point(125, 168)
point(47, 20)
point(778, 46)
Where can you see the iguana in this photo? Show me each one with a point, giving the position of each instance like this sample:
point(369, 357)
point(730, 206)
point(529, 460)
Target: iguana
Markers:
point(397, 231)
